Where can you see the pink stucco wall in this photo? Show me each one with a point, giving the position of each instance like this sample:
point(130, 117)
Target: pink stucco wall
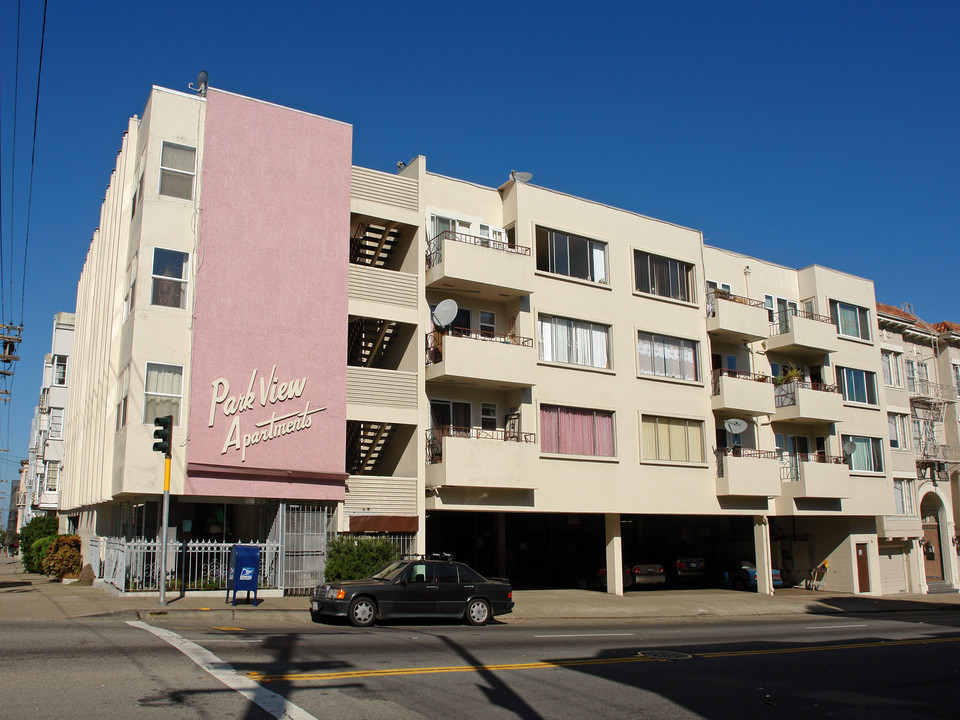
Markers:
point(271, 299)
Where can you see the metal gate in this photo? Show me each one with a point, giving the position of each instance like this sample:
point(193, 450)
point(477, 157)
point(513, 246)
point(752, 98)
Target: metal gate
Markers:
point(304, 529)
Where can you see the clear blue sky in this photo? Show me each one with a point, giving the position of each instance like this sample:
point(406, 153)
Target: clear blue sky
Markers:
point(804, 132)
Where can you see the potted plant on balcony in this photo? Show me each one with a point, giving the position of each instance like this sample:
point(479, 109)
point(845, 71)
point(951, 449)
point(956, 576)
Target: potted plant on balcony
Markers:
point(788, 374)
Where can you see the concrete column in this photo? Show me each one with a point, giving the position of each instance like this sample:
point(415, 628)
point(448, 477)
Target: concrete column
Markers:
point(761, 545)
point(614, 547)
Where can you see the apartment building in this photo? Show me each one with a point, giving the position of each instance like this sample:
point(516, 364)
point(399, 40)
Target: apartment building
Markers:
point(40, 484)
point(544, 385)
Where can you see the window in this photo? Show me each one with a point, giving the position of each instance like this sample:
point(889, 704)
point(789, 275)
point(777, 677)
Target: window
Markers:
point(571, 255)
point(488, 416)
point(779, 310)
point(576, 342)
point(917, 378)
point(490, 235)
point(450, 414)
point(56, 423)
point(903, 496)
point(576, 431)
point(177, 169)
point(897, 424)
point(59, 369)
point(124, 389)
point(162, 392)
point(52, 475)
point(721, 286)
point(662, 276)
point(129, 301)
point(891, 368)
point(924, 434)
point(672, 439)
point(665, 356)
point(857, 385)
point(956, 377)
point(850, 320)
point(867, 455)
point(169, 278)
point(137, 198)
point(488, 323)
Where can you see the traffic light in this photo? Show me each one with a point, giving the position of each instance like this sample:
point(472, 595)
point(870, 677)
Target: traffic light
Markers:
point(164, 425)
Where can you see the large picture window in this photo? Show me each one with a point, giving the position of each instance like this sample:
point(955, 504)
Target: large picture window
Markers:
point(169, 278)
point(857, 385)
point(666, 356)
point(672, 439)
point(576, 342)
point(576, 431)
point(571, 255)
point(867, 455)
point(178, 165)
point(850, 320)
point(162, 392)
point(662, 276)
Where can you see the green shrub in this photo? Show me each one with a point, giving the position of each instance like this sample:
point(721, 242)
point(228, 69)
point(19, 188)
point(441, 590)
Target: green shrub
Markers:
point(37, 551)
point(86, 576)
point(62, 559)
point(352, 558)
point(39, 527)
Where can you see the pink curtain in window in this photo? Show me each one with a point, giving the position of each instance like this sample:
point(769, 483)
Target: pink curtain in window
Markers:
point(576, 431)
point(549, 429)
point(605, 445)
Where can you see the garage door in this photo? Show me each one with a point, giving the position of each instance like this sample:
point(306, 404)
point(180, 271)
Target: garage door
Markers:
point(893, 569)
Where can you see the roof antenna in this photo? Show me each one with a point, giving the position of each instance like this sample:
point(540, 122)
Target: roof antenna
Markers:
point(203, 80)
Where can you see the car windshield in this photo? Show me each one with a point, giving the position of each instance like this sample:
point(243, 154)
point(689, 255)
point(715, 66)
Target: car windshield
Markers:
point(389, 571)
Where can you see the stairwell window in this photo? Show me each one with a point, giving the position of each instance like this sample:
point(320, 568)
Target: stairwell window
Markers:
point(571, 255)
point(663, 276)
point(867, 455)
point(892, 374)
point(169, 278)
point(672, 439)
point(857, 386)
point(850, 320)
point(575, 342)
point(666, 356)
point(897, 425)
point(56, 424)
point(903, 496)
point(162, 392)
point(576, 431)
point(178, 165)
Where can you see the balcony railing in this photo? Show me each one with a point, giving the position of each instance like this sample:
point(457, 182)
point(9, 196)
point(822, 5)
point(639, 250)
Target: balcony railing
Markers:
point(922, 389)
point(791, 469)
point(434, 340)
point(435, 438)
point(435, 246)
point(786, 394)
point(718, 294)
point(737, 451)
point(743, 375)
point(781, 321)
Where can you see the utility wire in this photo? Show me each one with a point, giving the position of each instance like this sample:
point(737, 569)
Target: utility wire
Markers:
point(13, 170)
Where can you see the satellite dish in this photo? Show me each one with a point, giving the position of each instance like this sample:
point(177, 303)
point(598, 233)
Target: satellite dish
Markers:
point(735, 426)
point(203, 80)
point(445, 313)
point(521, 177)
point(848, 447)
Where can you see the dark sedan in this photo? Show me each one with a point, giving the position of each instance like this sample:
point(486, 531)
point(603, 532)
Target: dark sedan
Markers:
point(415, 588)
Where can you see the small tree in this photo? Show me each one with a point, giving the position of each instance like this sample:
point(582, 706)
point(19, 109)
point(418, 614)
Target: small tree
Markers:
point(63, 559)
point(352, 558)
point(37, 551)
point(39, 527)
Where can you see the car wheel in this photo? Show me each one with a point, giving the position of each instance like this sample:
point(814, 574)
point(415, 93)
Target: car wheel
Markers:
point(315, 616)
point(478, 612)
point(362, 612)
point(739, 584)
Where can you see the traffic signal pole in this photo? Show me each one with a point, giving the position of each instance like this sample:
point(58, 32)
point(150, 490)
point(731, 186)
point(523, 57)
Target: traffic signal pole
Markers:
point(163, 436)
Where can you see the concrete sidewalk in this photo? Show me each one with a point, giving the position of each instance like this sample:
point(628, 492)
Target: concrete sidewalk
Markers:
point(34, 597)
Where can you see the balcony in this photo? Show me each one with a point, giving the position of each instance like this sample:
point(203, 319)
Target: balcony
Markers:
point(478, 458)
point(816, 475)
point(479, 358)
point(802, 334)
point(801, 402)
point(741, 471)
point(489, 269)
point(736, 319)
point(923, 391)
point(742, 393)
point(899, 527)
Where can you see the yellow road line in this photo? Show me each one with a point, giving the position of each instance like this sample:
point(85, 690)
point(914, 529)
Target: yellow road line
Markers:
point(228, 629)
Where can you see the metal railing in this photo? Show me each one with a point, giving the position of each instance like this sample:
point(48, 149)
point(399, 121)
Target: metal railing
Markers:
point(434, 340)
point(737, 451)
point(785, 395)
point(435, 438)
point(435, 246)
point(714, 295)
point(790, 470)
point(782, 322)
point(133, 565)
point(920, 388)
point(741, 374)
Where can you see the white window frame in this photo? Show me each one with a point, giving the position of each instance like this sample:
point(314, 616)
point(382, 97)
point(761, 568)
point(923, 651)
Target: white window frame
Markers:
point(777, 306)
point(681, 345)
point(848, 389)
point(130, 301)
point(60, 369)
point(892, 368)
point(656, 453)
point(51, 469)
point(54, 425)
point(592, 355)
point(903, 496)
point(148, 394)
point(863, 320)
point(596, 255)
point(123, 387)
point(172, 171)
point(184, 280)
point(685, 277)
point(897, 427)
point(876, 448)
point(488, 326)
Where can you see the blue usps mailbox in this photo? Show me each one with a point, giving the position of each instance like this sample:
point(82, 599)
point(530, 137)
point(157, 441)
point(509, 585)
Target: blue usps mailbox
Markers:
point(244, 571)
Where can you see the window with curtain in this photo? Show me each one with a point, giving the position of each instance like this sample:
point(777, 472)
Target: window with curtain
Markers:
point(672, 439)
point(52, 473)
point(576, 431)
point(857, 385)
point(867, 455)
point(571, 255)
point(577, 342)
point(177, 169)
point(162, 392)
point(663, 276)
point(897, 426)
point(850, 320)
point(666, 356)
point(169, 278)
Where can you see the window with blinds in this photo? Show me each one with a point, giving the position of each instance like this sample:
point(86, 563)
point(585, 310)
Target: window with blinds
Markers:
point(672, 439)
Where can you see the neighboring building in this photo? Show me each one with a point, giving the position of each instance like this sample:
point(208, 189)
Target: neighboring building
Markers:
point(605, 389)
point(41, 478)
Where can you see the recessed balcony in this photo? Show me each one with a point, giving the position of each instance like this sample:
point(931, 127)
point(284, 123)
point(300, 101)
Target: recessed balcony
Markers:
point(741, 471)
point(816, 475)
point(479, 458)
point(802, 334)
point(480, 358)
point(801, 402)
point(742, 393)
point(488, 269)
point(736, 319)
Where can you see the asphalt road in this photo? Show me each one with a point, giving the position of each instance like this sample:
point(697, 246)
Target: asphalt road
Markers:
point(881, 667)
